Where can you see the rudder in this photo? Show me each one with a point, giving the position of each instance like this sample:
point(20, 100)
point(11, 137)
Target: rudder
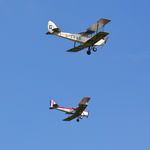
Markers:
point(53, 105)
point(52, 28)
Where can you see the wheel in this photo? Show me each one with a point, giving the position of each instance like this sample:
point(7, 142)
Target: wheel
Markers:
point(81, 117)
point(78, 120)
point(89, 52)
point(94, 49)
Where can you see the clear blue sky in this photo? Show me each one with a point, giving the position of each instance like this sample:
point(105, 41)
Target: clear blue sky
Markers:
point(35, 68)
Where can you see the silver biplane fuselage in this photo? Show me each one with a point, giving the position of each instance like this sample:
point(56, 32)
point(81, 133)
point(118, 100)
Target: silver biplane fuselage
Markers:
point(79, 38)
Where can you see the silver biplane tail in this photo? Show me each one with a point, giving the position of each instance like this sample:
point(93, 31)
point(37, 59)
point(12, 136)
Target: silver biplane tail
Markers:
point(52, 28)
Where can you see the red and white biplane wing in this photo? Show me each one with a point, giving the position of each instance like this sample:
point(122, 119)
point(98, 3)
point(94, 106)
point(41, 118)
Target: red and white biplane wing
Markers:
point(82, 105)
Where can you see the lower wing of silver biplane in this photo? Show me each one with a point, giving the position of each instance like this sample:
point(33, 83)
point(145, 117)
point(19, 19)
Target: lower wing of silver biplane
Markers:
point(82, 105)
point(89, 42)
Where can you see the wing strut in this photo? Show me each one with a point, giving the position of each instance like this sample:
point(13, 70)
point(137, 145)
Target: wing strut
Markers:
point(74, 44)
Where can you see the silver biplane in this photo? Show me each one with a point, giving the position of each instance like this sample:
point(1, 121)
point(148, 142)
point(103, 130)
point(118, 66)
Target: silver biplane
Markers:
point(89, 39)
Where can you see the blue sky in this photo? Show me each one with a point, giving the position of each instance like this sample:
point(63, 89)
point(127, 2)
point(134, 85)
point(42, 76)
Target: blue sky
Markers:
point(35, 68)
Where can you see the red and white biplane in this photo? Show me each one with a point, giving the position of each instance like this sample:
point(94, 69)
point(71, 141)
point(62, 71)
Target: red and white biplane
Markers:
point(78, 112)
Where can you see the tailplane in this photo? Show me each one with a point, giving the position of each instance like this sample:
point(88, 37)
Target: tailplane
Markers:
point(52, 28)
point(53, 105)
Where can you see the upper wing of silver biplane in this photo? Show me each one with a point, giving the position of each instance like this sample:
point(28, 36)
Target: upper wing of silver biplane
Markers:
point(82, 105)
point(98, 25)
point(78, 48)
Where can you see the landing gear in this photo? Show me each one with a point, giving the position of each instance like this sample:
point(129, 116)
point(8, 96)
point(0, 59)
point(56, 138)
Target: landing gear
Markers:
point(81, 117)
point(94, 49)
point(89, 51)
point(78, 120)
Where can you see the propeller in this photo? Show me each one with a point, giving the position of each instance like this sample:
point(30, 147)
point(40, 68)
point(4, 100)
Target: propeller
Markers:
point(88, 114)
point(105, 42)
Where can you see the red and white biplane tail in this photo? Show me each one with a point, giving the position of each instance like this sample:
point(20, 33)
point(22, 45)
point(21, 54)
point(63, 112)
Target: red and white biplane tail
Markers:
point(53, 104)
